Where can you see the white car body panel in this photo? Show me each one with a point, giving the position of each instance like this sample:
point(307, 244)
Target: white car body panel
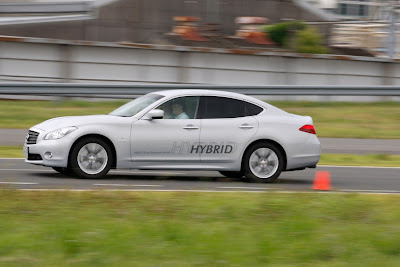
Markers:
point(161, 142)
point(210, 144)
point(233, 133)
point(118, 131)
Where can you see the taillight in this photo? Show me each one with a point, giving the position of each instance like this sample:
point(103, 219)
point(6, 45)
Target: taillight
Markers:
point(308, 129)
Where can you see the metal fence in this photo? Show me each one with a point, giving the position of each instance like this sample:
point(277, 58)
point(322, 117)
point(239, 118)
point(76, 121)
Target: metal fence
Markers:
point(110, 90)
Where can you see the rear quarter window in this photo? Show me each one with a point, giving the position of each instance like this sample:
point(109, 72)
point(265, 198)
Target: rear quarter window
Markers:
point(252, 110)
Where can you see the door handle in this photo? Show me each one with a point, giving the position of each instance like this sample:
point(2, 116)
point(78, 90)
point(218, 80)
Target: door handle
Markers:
point(246, 126)
point(190, 127)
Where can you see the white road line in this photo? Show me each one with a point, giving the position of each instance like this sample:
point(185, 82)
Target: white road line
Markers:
point(333, 166)
point(367, 167)
point(138, 190)
point(31, 170)
point(373, 191)
point(120, 171)
point(242, 187)
point(202, 191)
point(145, 172)
point(142, 185)
point(17, 183)
point(61, 190)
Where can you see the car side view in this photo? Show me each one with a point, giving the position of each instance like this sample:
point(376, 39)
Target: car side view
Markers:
point(237, 135)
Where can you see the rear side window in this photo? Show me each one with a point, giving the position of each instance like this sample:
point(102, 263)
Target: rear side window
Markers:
point(252, 110)
point(220, 107)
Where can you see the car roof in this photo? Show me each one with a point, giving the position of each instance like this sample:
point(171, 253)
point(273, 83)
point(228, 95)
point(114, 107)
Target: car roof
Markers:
point(199, 92)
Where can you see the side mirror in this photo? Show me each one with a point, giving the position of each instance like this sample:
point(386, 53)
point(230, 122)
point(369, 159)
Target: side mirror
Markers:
point(155, 114)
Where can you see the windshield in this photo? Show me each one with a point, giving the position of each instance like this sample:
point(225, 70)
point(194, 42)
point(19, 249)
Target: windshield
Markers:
point(135, 106)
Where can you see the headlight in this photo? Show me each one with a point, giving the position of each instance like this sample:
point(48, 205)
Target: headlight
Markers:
point(59, 133)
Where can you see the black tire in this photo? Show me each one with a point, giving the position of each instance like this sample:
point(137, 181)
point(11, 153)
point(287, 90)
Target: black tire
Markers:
point(232, 174)
point(63, 170)
point(267, 164)
point(86, 156)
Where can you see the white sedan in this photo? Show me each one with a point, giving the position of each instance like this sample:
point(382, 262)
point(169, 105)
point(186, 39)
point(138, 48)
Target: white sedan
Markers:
point(235, 134)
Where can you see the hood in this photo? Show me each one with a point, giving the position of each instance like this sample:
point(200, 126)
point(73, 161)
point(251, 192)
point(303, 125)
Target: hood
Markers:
point(61, 122)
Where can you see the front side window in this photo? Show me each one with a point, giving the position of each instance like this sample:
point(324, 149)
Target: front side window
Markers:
point(180, 108)
point(135, 106)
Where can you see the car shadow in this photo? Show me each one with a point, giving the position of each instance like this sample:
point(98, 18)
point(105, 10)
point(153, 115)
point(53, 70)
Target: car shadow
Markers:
point(137, 177)
point(177, 178)
point(291, 181)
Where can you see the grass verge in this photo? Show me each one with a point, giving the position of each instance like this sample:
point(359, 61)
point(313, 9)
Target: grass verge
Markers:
point(378, 160)
point(25, 114)
point(198, 229)
point(11, 152)
point(332, 119)
point(326, 159)
point(349, 120)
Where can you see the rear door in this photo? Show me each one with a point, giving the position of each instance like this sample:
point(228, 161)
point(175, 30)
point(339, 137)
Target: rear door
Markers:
point(226, 129)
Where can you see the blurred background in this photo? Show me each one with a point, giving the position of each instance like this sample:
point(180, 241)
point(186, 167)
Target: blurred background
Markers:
point(336, 43)
point(338, 48)
point(240, 42)
point(368, 27)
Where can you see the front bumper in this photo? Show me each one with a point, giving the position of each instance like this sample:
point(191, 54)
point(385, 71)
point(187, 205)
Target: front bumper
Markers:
point(51, 153)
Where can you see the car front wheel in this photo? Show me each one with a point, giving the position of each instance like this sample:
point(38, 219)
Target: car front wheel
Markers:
point(262, 163)
point(91, 158)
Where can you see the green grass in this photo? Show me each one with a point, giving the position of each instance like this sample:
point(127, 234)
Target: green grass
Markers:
point(25, 114)
point(332, 119)
point(198, 229)
point(11, 152)
point(378, 160)
point(326, 159)
point(350, 120)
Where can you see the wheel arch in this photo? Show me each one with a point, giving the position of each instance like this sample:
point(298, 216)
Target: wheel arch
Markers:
point(105, 139)
point(279, 146)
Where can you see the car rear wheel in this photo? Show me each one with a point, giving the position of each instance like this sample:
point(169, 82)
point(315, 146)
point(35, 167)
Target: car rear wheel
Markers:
point(91, 158)
point(262, 163)
point(232, 174)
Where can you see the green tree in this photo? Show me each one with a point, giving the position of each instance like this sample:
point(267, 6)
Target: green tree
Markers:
point(280, 33)
point(309, 40)
point(297, 36)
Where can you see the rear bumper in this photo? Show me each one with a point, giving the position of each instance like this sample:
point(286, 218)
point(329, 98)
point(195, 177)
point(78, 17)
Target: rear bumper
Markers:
point(305, 155)
point(298, 163)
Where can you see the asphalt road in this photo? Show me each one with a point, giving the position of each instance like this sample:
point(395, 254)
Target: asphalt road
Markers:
point(13, 137)
point(15, 173)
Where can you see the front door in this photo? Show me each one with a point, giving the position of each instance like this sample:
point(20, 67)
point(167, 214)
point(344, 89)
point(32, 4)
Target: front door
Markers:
point(167, 142)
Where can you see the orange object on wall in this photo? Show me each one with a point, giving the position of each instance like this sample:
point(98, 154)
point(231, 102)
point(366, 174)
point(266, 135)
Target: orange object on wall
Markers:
point(259, 38)
point(189, 33)
point(187, 28)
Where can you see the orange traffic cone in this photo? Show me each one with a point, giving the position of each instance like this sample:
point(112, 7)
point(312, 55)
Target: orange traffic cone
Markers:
point(322, 181)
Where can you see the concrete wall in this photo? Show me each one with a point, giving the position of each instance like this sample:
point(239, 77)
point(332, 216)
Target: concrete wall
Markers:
point(148, 20)
point(23, 59)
